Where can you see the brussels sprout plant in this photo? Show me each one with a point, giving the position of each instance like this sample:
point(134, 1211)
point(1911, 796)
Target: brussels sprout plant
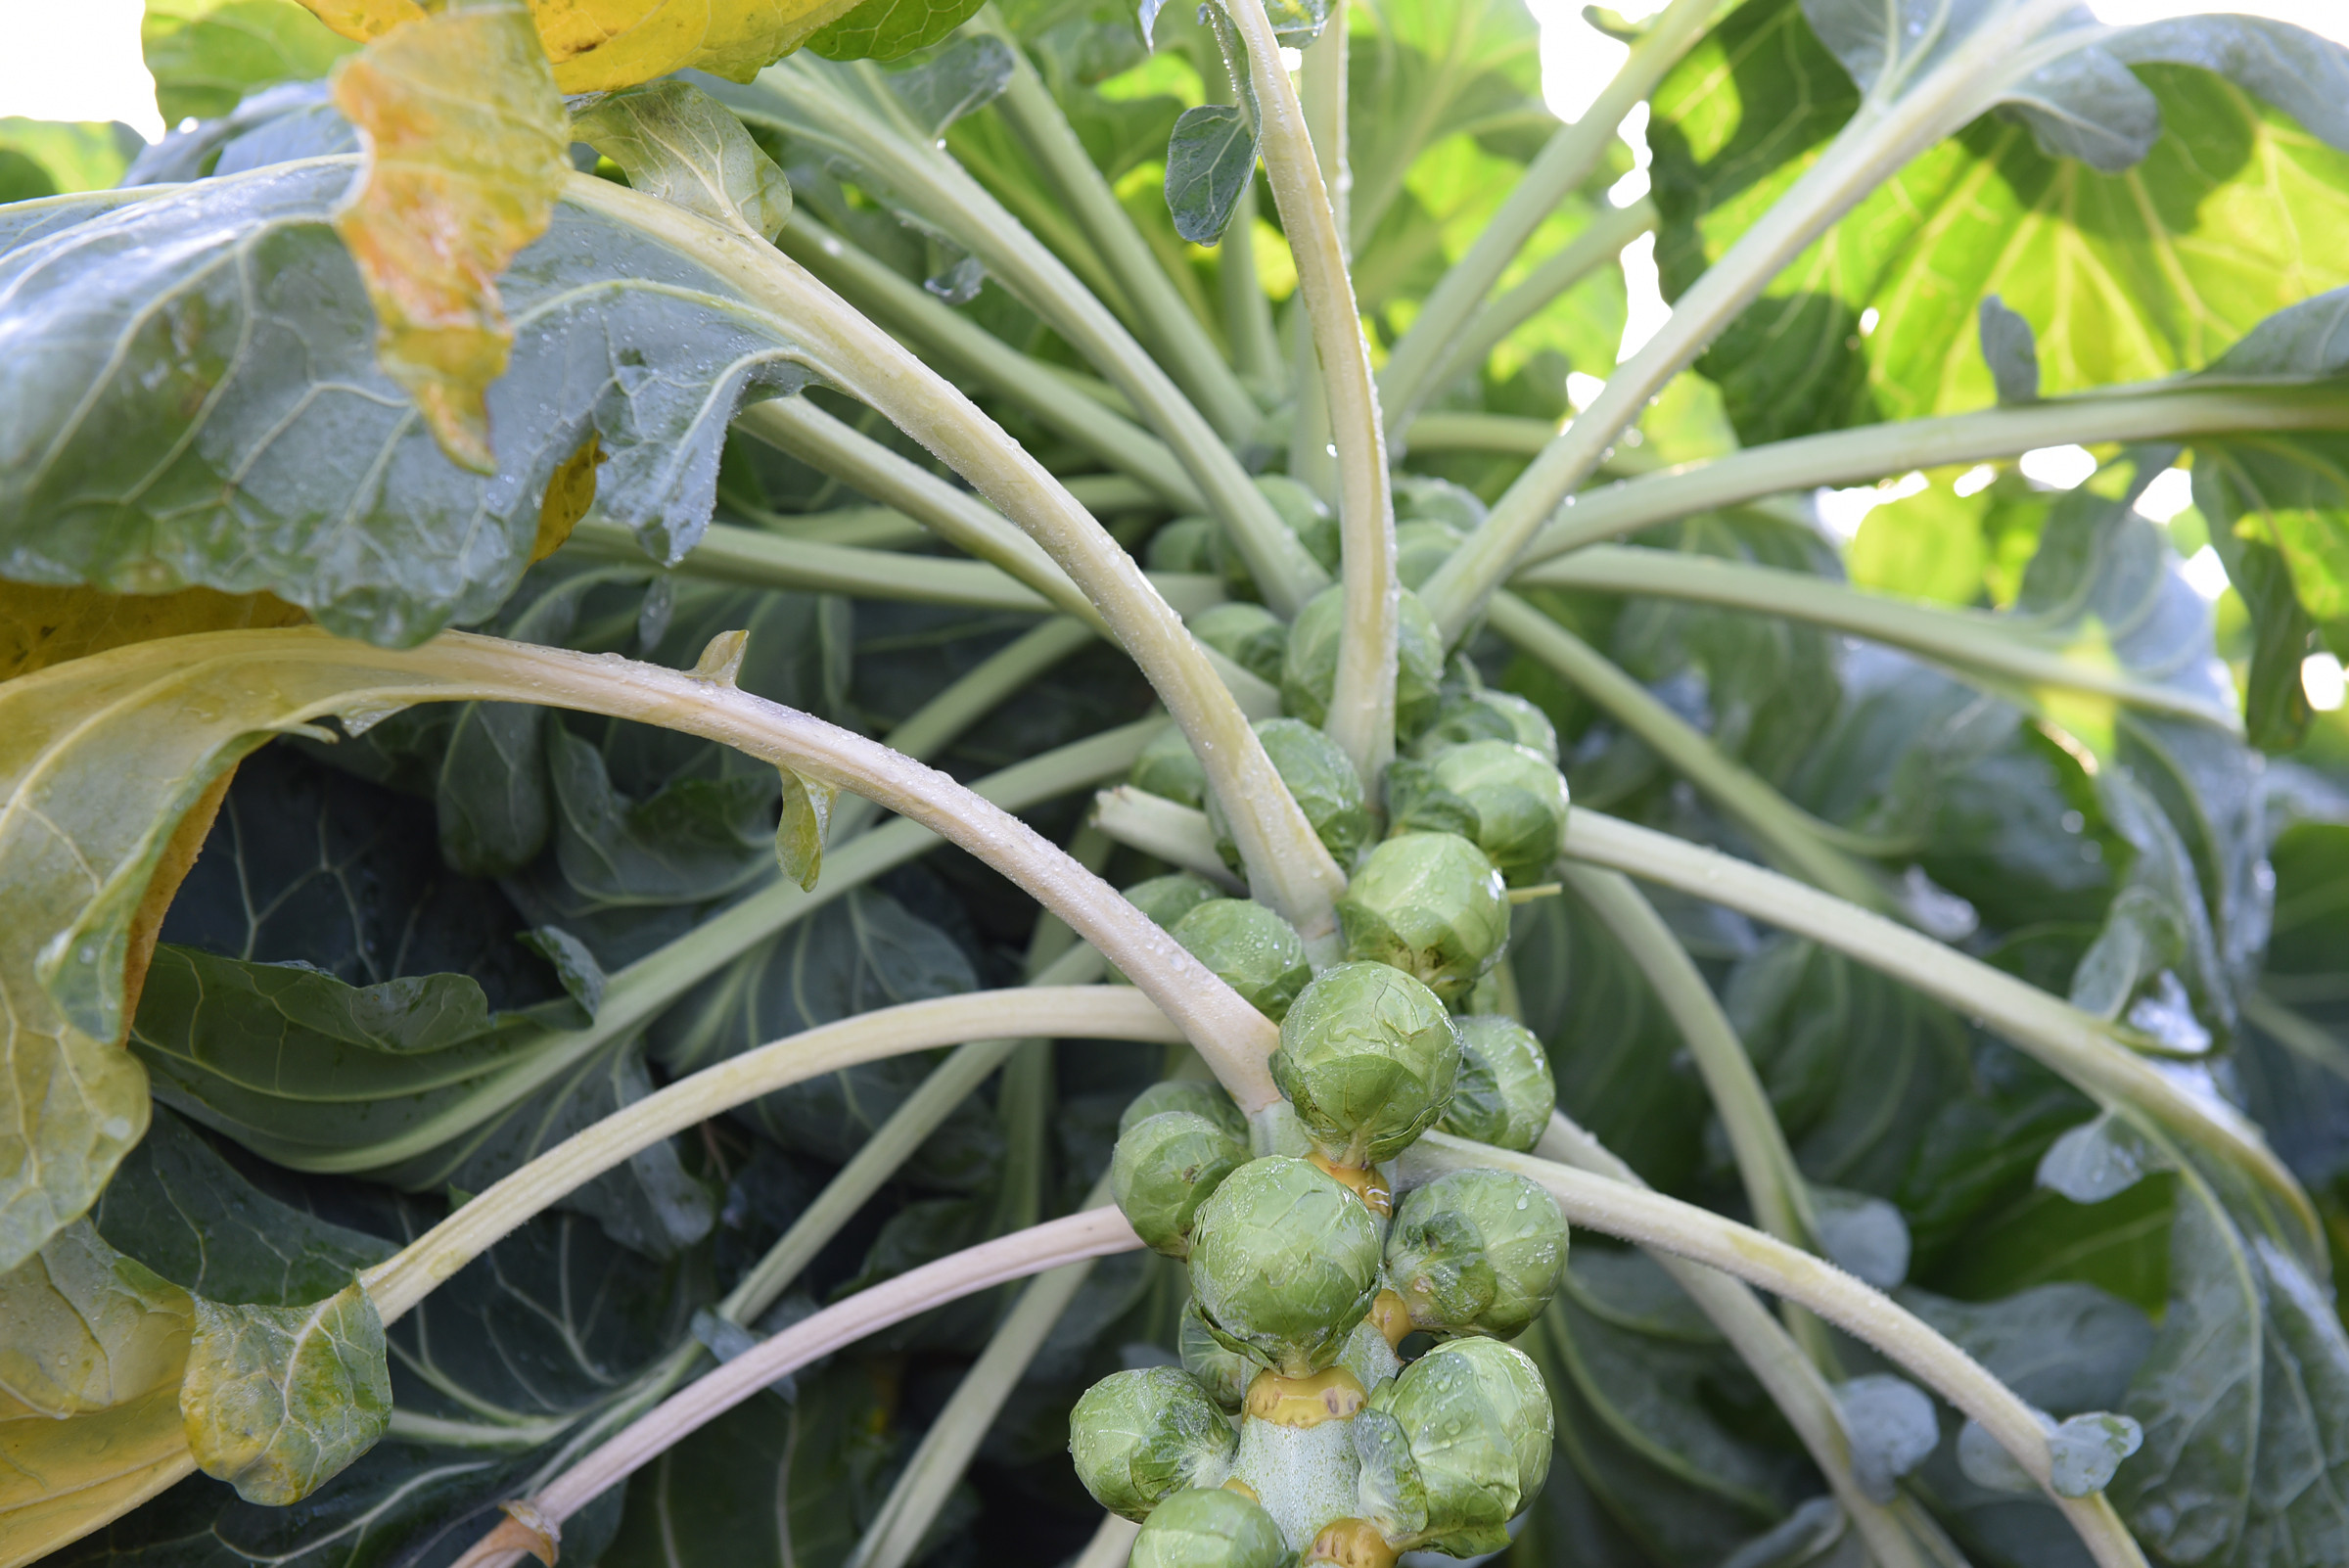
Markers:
point(596, 600)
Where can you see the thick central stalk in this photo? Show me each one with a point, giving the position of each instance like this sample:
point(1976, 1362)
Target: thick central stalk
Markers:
point(1362, 708)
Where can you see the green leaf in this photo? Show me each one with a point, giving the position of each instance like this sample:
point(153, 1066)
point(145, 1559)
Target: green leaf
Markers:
point(887, 29)
point(44, 158)
point(1211, 157)
point(181, 1210)
point(2236, 213)
point(2279, 509)
point(2010, 350)
point(292, 462)
point(277, 1398)
point(869, 953)
point(768, 1485)
point(206, 55)
point(1464, 68)
point(799, 835)
point(2244, 1401)
point(676, 142)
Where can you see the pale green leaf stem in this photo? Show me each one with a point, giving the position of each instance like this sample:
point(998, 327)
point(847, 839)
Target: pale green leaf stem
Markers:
point(1287, 862)
point(2009, 651)
point(1786, 833)
point(809, 94)
point(1177, 834)
point(2158, 411)
point(1703, 1236)
point(1773, 1185)
point(1891, 127)
point(1362, 706)
point(1102, 1012)
point(1173, 331)
point(921, 316)
point(947, 1450)
point(1092, 1233)
point(2080, 1047)
point(1901, 1534)
point(1427, 353)
point(1595, 247)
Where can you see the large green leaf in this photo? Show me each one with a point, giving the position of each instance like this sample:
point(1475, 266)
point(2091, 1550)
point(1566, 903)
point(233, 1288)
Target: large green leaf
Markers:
point(221, 327)
point(206, 55)
point(2238, 212)
point(1427, 70)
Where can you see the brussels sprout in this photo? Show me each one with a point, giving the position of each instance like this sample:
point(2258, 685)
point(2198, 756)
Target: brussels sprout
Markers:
point(1252, 949)
point(1421, 548)
point(1503, 799)
point(1186, 544)
point(1325, 784)
point(1423, 498)
point(1164, 1168)
point(1477, 1252)
point(1480, 714)
point(1200, 1528)
point(1138, 1435)
point(1367, 1057)
point(1192, 1094)
point(1454, 1448)
point(1311, 667)
point(1169, 766)
point(1305, 514)
point(1248, 634)
point(1429, 905)
point(1166, 900)
point(1214, 1365)
point(1505, 1093)
point(1284, 1263)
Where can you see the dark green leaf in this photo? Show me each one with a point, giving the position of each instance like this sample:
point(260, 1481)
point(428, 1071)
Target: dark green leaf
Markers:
point(222, 325)
point(179, 1208)
point(1211, 157)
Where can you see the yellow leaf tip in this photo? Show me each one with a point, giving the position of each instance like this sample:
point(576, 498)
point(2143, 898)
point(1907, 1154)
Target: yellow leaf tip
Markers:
point(722, 659)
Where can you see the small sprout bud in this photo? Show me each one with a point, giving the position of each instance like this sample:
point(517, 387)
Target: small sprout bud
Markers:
point(1185, 544)
point(1367, 1354)
point(1327, 789)
point(1350, 1543)
point(1312, 669)
point(1198, 1528)
point(1193, 1094)
point(1166, 900)
point(1479, 714)
point(1329, 1396)
point(1422, 497)
point(1477, 1252)
point(1421, 548)
point(1165, 1168)
point(1250, 635)
point(1432, 905)
point(1505, 1093)
point(1367, 1057)
point(1503, 798)
point(1454, 1448)
point(1251, 949)
point(1305, 514)
point(1136, 1437)
point(1214, 1365)
point(1169, 767)
point(1284, 1263)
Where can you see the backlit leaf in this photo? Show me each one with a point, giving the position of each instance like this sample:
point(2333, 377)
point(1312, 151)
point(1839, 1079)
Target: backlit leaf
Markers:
point(465, 144)
point(677, 143)
point(206, 55)
point(885, 29)
point(1211, 157)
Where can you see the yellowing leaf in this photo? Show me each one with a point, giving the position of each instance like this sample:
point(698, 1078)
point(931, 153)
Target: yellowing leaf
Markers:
point(41, 626)
point(279, 1398)
point(91, 1354)
point(568, 496)
point(598, 45)
point(466, 139)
